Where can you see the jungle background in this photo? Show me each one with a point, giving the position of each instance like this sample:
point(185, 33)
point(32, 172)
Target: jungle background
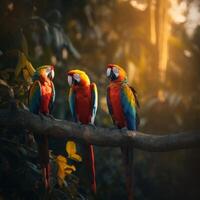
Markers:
point(156, 41)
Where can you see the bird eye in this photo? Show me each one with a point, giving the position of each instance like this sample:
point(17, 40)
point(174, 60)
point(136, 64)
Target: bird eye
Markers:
point(108, 72)
point(69, 78)
point(77, 77)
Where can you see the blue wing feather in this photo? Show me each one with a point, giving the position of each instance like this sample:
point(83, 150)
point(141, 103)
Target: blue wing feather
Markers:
point(94, 93)
point(71, 100)
point(109, 102)
point(34, 97)
point(129, 106)
point(137, 106)
point(52, 98)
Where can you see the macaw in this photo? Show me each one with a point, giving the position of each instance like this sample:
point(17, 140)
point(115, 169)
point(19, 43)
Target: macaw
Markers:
point(40, 100)
point(122, 104)
point(83, 100)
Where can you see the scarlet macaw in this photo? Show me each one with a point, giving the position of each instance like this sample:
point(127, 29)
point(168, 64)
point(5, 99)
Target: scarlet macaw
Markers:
point(122, 105)
point(41, 99)
point(83, 100)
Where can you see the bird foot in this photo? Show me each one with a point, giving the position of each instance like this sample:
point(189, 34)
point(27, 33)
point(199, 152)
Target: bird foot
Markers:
point(92, 125)
point(79, 123)
point(50, 116)
point(42, 116)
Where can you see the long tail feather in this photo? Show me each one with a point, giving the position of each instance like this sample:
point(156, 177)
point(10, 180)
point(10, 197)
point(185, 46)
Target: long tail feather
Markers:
point(43, 152)
point(46, 175)
point(127, 151)
point(90, 165)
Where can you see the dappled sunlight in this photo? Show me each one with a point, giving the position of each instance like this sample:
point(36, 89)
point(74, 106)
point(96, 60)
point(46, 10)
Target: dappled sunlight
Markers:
point(139, 5)
point(177, 11)
point(193, 18)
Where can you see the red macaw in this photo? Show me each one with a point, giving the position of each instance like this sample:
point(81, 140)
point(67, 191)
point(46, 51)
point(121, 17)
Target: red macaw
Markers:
point(122, 105)
point(41, 99)
point(83, 100)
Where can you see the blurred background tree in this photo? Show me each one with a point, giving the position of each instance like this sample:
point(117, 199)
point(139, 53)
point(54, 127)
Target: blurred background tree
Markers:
point(156, 41)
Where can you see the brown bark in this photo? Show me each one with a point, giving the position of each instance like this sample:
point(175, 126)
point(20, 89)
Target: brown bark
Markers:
point(97, 135)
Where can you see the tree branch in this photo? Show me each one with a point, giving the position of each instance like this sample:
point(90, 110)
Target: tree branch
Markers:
point(97, 136)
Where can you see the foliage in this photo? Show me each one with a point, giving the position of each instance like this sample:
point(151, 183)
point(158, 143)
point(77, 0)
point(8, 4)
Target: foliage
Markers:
point(19, 160)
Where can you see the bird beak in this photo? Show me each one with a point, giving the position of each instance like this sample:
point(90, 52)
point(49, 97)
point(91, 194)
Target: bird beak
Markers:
point(76, 78)
point(115, 71)
point(112, 73)
point(52, 74)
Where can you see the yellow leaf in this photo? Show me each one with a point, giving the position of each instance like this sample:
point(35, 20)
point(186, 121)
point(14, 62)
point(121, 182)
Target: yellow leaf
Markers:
point(72, 151)
point(27, 76)
point(24, 66)
point(63, 169)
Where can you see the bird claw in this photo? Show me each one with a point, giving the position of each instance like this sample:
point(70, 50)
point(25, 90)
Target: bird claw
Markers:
point(79, 123)
point(51, 116)
point(92, 125)
point(42, 116)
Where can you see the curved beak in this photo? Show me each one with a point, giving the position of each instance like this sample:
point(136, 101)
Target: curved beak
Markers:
point(52, 74)
point(111, 74)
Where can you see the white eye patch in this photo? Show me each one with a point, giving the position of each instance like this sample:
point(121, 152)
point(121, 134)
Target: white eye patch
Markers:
point(77, 77)
point(116, 71)
point(108, 72)
point(69, 78)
